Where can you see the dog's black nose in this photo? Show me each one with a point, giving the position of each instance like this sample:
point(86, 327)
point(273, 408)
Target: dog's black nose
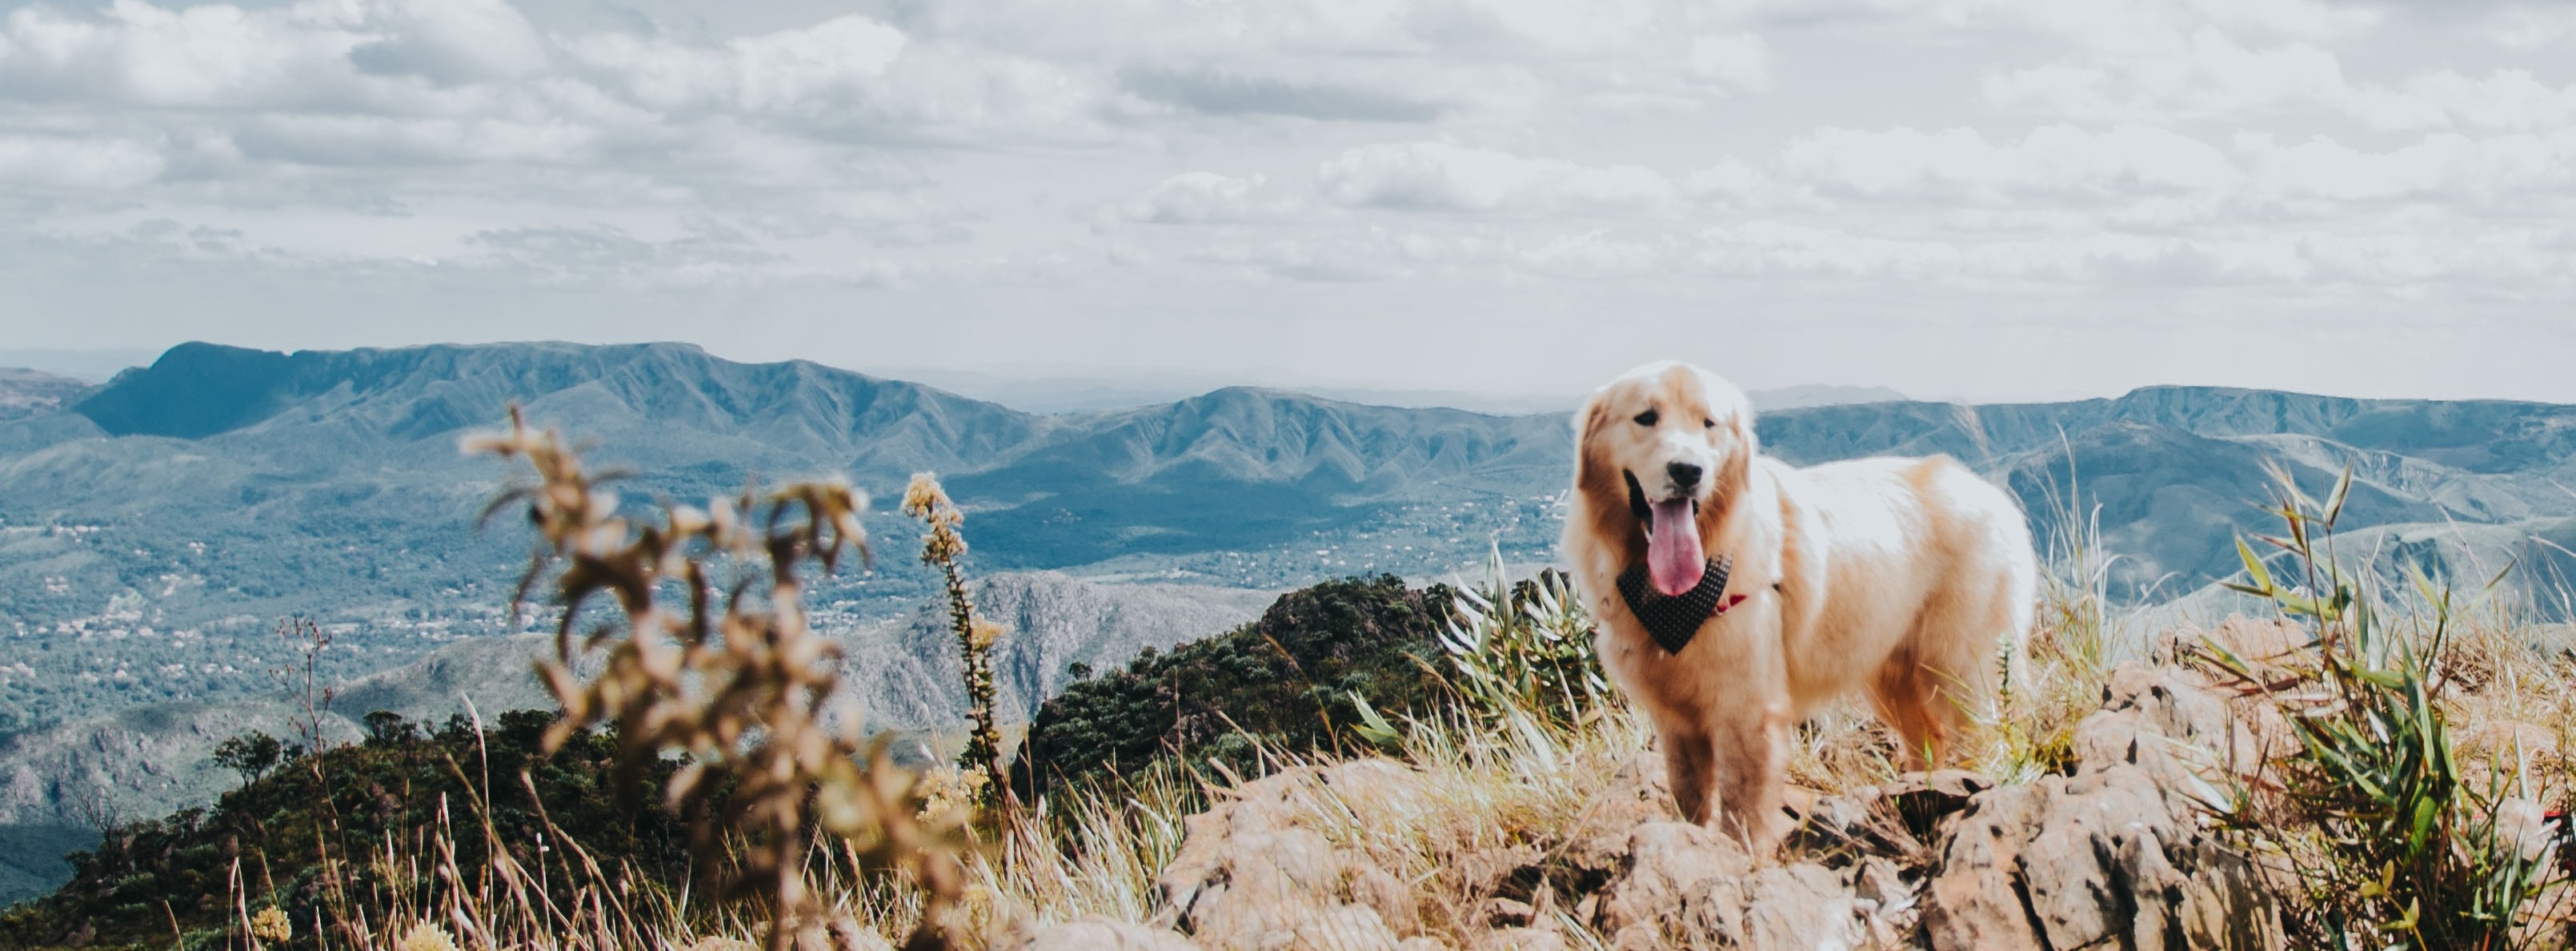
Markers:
point(1684, 474)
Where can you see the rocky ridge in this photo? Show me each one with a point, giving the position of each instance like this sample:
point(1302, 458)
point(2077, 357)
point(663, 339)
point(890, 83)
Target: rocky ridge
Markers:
point(2119, 853)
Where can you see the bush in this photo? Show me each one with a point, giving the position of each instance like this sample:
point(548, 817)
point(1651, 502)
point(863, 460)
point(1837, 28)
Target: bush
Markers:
point(2381, 837)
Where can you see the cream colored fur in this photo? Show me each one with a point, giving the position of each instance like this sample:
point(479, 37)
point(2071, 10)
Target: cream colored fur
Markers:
point(1909, 579)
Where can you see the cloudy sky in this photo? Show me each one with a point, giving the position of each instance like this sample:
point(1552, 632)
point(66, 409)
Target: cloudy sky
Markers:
point(1989, 199)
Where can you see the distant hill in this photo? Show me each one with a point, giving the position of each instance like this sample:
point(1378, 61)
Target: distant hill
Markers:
point(1816, 394)
point(87, 366)
point(1043, 393)
point(25, 393)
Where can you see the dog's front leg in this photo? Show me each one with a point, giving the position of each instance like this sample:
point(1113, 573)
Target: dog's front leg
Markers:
point(1751, 743)
point(1690, 765)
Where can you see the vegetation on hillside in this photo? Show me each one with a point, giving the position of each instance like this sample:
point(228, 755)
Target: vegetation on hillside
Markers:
point(1293, 680)
point(295, 837)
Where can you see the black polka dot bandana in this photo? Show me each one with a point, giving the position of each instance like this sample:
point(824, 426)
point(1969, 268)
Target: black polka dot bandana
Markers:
point(1673, 620)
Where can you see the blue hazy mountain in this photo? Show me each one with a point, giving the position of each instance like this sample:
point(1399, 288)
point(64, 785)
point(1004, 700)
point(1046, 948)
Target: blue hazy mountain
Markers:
point(153, 529)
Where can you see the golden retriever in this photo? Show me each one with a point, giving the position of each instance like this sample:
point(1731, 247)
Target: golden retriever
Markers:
point(1780, 588)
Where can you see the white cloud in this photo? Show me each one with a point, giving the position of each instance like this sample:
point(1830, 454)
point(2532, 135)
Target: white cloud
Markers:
point(1400, 60)
point(840, 58)
point(2510, 99)
point(1439, 176)
point(81, 163)
point(214, 55)
point(454, 41)
point(2204, 74)
point(1738, 60)
point(1204, 198)
point(2050, 160)
point(2506, 170)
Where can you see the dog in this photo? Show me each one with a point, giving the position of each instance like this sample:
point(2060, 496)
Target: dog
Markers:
point(1736, 593)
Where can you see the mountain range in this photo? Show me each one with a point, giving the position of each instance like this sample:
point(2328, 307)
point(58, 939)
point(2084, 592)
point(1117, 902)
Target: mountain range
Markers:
point(155, 528)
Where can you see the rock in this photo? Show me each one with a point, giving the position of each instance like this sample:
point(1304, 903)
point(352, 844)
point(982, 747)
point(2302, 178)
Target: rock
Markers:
point(2509, 741)
point(1094, 933)
point(2524, 826)
point(1975, 901)
point(1794, 906)
point(1507, 913)
point(1341, 927)
point(1688, 886)
point(2264, 646)
point(1880, 881)
point(1637, 795)
point(1924, 799)
point(1670, 867)
point(1250, 875)
point(846, 935)
point(1383, 893)
point(2114, 855)
point(1496, 871)
point(1522, 939)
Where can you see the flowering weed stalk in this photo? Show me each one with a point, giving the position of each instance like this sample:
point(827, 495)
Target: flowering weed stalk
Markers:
point(943, 546)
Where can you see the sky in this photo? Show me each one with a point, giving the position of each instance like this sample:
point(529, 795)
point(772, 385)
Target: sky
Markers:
point(1963, 199)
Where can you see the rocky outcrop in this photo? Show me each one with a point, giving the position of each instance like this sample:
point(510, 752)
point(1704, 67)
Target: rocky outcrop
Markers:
point(2115, 855)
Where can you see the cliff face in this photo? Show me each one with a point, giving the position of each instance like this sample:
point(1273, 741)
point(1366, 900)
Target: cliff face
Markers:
point(907, 674)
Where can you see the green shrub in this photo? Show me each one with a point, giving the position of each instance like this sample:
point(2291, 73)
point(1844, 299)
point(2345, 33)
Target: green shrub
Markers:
point(2386, 843)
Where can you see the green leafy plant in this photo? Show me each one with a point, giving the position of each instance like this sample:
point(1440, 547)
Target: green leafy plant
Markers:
point(1524, 648)
point(2386, 843)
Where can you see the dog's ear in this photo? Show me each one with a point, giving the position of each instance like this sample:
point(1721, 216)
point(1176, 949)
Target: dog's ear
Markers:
point(1738, 467)
point(1588, 468)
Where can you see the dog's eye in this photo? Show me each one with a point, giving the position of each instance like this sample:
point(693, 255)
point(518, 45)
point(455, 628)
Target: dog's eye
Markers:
point(1708, 424)
point(1647, 418)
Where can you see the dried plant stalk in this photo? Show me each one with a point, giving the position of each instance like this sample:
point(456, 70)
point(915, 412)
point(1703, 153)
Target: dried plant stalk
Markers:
point(736, 680)
point(942, 546)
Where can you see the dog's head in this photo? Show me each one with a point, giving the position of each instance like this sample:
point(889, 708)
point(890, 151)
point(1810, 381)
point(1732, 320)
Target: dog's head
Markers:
point(1661, 451)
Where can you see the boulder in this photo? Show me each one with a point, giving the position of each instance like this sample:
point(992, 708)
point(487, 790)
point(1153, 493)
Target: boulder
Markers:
point(1251, 874)
point(2116, 855)
point(1093, 933)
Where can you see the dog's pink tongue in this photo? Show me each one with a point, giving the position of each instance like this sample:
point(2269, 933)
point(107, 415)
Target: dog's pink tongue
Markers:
point(1673, 555)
